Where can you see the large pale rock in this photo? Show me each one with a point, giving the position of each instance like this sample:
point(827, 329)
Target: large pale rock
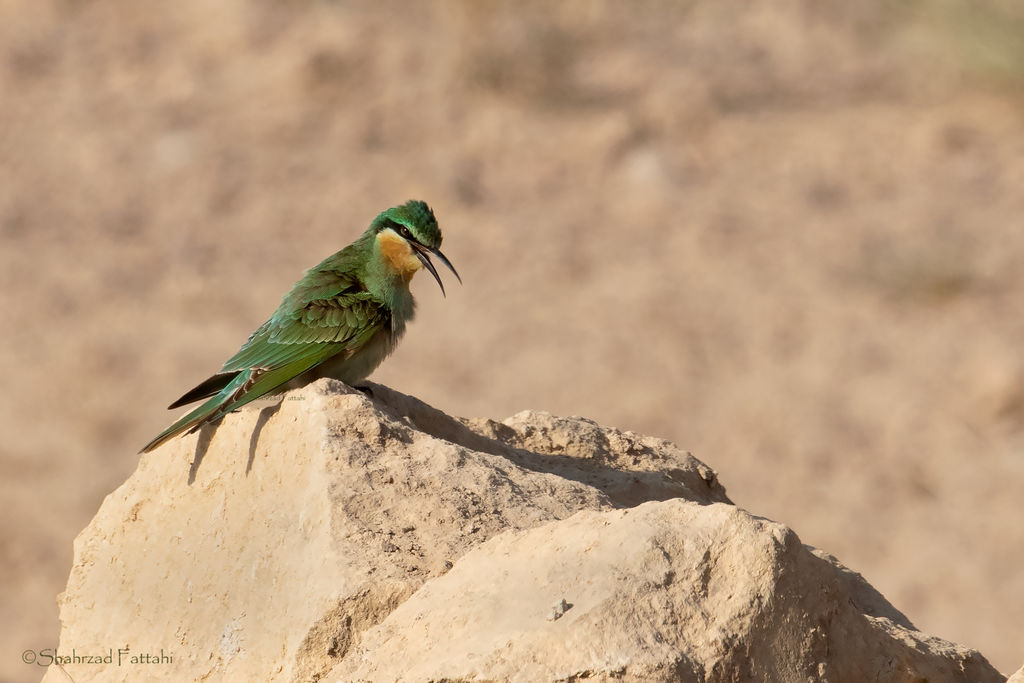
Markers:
point(352, 538)
point(667, 591)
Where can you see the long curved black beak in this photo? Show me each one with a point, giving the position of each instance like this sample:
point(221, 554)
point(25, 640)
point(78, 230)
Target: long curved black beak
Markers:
point(422, 254)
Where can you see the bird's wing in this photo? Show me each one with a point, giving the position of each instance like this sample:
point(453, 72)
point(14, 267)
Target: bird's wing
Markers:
point(296, 340)
point(311, 325)
point(315, 321)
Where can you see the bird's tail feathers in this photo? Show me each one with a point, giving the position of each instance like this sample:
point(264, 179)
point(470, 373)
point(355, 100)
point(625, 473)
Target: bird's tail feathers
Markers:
point(247, 385)
point(192, 419)
point(205, 389)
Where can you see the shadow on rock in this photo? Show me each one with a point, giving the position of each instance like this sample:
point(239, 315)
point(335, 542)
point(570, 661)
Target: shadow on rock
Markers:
point(630, 472)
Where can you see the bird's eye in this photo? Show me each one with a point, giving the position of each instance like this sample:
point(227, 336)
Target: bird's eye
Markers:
point(404, 232)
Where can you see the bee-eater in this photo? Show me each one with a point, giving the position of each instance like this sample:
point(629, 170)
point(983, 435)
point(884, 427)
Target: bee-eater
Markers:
point(341, 320)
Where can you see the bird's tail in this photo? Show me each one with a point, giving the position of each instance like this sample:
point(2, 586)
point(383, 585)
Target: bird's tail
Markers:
point(248, 385)
point(206, 389)
point(193, 419)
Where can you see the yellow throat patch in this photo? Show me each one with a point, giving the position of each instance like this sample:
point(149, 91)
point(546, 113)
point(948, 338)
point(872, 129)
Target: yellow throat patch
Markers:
point(397, 253)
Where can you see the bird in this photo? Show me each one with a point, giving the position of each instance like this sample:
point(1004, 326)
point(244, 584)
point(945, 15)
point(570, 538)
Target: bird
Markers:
point(340, 320)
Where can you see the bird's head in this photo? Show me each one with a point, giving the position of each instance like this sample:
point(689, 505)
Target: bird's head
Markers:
point(406, 235)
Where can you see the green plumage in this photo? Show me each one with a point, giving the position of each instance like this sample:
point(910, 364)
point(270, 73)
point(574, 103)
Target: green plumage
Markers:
point(340, 320)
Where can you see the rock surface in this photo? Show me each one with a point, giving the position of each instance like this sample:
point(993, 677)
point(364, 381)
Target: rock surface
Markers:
point(344, 537)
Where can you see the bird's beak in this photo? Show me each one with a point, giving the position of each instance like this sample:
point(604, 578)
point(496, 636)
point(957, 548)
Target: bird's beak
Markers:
point(422, 253)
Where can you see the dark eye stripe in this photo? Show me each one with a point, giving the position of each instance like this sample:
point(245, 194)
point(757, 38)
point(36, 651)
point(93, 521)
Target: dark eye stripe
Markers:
point(399, 228)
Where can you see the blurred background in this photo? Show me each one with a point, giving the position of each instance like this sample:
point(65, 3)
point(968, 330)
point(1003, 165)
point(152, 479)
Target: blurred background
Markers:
point(788, 236)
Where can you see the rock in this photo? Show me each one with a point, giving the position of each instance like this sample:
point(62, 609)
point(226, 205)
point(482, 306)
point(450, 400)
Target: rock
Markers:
point(344, 537)
point(666, 591)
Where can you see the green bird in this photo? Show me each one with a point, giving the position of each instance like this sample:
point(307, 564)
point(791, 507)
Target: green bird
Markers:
point(341, 320)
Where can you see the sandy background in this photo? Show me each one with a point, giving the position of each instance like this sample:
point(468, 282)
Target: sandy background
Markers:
point(789, 238)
